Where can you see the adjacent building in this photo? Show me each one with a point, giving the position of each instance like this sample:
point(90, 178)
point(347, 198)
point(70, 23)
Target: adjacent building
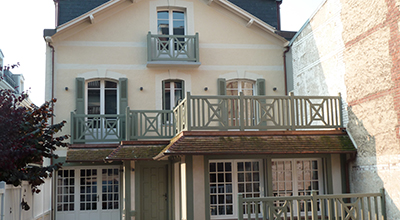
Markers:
point(352, 48)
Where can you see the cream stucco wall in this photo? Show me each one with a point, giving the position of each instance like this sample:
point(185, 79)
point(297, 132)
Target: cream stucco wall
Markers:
point(114, 46)
point(347, 47)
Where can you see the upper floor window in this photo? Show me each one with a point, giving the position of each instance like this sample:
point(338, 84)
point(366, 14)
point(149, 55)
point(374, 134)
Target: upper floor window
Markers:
point(234, 87)
point(172, 93)
point(171, 22)
point(102, 97)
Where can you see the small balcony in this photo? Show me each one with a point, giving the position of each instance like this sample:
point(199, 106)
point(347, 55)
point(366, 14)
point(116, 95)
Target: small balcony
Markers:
point(214, 113)
point(173, 50)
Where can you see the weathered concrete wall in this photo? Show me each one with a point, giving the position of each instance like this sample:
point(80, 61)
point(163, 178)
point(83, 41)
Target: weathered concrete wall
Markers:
point(318, 67)
point(352, 47)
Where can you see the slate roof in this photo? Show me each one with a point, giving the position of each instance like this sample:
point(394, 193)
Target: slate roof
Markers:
point(70, 9)
point(259, 142)
point(127, 150)
point(137, 150)
point(94, 153)
point(262, 9)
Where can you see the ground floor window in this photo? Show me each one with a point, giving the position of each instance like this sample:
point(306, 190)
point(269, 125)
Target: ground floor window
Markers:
point(296, 177)
point(227, 179)
point(290, 177)
point(94, 191)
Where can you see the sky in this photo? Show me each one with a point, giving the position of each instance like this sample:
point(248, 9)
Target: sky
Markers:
point(23, 22)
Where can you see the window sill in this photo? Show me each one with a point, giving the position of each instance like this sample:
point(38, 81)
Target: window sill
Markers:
point(173, 64)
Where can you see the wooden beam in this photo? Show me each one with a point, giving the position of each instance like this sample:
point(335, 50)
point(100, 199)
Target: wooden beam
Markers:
point(250, 22)
point(91, 18)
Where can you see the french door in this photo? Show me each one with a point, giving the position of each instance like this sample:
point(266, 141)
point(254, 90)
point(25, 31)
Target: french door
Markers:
point(88, 193)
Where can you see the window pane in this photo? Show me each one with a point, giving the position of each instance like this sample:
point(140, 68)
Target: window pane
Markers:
point(162, 15)
point(110, 84)
point(179, 28)
point(111, 102)
point(163, 27)
point(93, 101)
point(94, 84)
point(178, 15)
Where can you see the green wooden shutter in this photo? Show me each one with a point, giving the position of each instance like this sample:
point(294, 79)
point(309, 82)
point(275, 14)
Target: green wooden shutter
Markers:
point(221, 86)
point(163, 95)
point(183, 90)
point(123, 95)
point(123, 103)
point(80, 96)
point(261, 87)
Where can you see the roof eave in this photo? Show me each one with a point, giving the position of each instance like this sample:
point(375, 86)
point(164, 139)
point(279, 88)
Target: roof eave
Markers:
point(251, 18)
point(88, 16)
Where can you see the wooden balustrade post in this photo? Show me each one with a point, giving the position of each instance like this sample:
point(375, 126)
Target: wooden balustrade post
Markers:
point(340, 110)
point(314, 209)
point(149, 47)
point(241, 111)
point(188, 112)
point(240, 206)
point(383, 204)
point(127, 124)
point(292, 113)
point(72, 128)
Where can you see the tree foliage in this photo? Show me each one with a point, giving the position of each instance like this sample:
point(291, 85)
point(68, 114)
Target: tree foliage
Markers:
point(26, 138)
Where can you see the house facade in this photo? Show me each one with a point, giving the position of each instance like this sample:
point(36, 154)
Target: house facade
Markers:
point(352, 48)
point(175, 107)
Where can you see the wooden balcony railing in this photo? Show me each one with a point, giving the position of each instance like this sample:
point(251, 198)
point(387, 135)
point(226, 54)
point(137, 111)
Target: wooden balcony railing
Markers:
point(173, 48)
point(212, 113)
point(258, 112)
point(97, 128)
point(149, 124)
point(327, 207)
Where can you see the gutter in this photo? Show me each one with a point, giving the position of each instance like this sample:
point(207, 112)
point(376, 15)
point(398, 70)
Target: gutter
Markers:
point(49, 40)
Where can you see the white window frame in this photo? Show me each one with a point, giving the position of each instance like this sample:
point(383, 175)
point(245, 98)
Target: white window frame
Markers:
point(295, 180)
point(68, 214)
point(102, 94)
point(239, 82)
point(235, 183)
point(171, 19)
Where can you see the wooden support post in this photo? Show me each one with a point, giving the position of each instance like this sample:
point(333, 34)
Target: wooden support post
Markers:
point(241, 111)
point(383, 204)
point(188, 112)
point(240, 206)
point(292, 113)
point(127, 124)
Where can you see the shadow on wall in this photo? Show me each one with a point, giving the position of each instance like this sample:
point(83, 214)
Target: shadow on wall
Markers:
point(365, 171)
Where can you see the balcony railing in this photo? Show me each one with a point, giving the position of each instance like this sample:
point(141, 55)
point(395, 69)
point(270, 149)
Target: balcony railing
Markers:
point(150, 124)
point(258, 112)
point(176, 48)
point(327, 207)
point(196, 113)
point(8, 77)
point(97, 128)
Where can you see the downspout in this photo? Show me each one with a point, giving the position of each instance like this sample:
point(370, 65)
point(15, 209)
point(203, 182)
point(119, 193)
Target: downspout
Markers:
point(284, 67)
point(49, 40)
point(347, 167)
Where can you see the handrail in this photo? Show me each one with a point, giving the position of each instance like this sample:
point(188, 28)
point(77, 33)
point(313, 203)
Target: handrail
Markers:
point(172, 47)
point(356, 206)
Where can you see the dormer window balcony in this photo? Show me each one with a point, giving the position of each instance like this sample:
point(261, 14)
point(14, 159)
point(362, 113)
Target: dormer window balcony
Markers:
point(173, 50)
